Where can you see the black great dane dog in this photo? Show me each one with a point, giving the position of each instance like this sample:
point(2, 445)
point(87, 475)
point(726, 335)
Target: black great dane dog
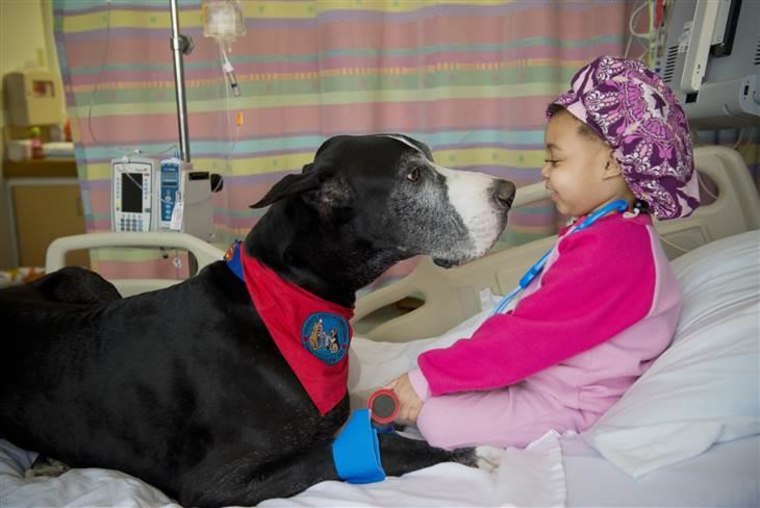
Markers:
point(185, 387)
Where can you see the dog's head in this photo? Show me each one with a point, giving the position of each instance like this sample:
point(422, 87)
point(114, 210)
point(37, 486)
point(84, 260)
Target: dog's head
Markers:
point(381, 198)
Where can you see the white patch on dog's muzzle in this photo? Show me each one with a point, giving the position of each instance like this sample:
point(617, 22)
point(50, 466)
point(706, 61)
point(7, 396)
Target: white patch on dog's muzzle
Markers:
point(470, 195)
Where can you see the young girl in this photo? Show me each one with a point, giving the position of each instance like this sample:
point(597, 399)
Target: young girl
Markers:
point(606, 303)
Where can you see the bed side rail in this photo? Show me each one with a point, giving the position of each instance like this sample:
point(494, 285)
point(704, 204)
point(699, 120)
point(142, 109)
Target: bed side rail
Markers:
point(735, 210)
point(203, 253)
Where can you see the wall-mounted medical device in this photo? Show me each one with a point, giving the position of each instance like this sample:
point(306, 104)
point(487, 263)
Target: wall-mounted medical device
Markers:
point(148, 195)
point(33, 98)
point(712, 61)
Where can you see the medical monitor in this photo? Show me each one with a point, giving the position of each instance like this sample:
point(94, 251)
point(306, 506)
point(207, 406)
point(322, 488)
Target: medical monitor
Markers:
point(132, 194)
point(711, 61)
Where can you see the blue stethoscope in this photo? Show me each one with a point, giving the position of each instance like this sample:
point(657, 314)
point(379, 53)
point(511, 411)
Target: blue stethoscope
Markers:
point(616, 206)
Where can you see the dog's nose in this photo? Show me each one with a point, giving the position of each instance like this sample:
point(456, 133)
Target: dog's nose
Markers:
point(503, 193)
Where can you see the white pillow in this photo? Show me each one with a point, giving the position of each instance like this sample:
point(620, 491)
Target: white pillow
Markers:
point(705, 388)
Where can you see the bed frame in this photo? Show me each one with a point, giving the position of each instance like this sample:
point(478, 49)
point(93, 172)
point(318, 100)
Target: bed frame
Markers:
point(440, 298)
point(202, 253)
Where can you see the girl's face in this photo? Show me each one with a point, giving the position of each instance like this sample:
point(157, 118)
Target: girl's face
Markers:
point(579, 170)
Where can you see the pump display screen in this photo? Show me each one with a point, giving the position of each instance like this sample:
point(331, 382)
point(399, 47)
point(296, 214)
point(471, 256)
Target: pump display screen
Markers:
point(131, 192)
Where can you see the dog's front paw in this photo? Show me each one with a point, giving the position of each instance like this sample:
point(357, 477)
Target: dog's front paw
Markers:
point(489, 457)
point(45, 466)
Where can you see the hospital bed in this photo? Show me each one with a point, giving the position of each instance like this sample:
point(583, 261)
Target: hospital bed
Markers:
point(687, 433)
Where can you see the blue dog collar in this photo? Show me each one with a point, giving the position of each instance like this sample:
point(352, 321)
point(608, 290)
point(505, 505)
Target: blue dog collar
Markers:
point(356, 451)
point(234, 260)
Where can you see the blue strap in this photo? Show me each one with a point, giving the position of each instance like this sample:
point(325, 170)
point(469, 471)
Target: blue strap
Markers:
point(619, 205)
point(356, 451)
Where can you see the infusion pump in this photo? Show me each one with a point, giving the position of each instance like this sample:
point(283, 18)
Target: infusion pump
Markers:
point(133, 195)
point(148, 195)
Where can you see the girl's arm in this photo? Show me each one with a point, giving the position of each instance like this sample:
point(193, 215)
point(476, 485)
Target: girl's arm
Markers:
point(602, 282)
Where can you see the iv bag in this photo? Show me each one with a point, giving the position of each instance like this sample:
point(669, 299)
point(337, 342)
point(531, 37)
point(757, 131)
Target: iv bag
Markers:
point(223, 21)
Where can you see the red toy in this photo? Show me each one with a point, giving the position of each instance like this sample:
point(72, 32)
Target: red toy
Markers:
point(383, 406)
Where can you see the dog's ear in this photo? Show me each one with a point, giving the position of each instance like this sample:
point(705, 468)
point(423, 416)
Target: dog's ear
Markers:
point(307, 167)
point(288, 186)
point(334, 196)
point(323, 191)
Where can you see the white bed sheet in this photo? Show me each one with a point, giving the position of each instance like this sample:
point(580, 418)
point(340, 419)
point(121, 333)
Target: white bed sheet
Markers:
point(726, 475)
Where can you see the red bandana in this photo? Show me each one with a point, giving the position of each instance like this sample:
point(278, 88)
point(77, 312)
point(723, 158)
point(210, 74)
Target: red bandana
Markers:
point(312, 334)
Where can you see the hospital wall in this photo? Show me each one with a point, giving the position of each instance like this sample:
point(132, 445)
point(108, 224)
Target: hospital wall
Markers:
point(23, 24)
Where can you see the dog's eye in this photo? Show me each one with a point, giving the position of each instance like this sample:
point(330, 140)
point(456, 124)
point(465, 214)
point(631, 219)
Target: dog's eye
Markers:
point(414, 175)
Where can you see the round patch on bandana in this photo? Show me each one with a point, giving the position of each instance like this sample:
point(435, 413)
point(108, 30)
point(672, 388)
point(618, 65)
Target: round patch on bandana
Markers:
point(325, 336)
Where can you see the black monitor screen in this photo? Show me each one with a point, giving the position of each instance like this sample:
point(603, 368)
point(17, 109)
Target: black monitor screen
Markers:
point(131, 192)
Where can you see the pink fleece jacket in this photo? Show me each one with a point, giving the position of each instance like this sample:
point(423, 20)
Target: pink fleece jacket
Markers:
point(605, 306)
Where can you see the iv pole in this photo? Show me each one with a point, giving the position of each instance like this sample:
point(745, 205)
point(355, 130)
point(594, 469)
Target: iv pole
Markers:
point(180, 45)
point(197, 186)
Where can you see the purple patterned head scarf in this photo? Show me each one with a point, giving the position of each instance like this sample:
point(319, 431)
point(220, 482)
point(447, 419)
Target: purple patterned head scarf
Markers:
point(636, 113)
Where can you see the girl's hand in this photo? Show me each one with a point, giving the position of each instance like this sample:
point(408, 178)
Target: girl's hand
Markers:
point(409, 401)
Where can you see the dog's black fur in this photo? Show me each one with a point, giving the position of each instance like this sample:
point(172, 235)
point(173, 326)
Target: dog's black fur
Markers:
point(184, 387)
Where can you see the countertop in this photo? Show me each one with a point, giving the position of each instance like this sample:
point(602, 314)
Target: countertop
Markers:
point(40, 168)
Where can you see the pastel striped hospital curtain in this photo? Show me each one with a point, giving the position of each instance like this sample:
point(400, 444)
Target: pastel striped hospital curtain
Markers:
point(470, 78)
